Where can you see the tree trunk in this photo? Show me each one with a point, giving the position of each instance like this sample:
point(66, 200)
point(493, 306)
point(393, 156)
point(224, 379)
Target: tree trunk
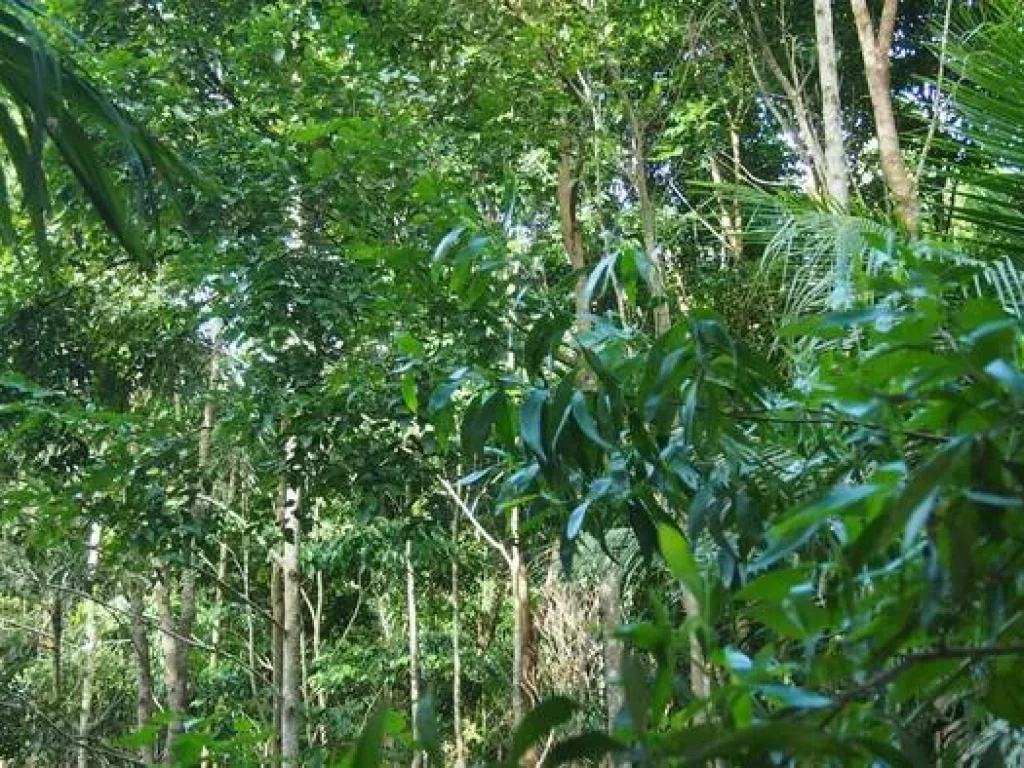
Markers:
point(837, 181)
point(522, 631)
point(414, 651)
point(611, 619)
point(291, 661)
point(91, 647)
point(737, 177)
point(700, 677)
point(519, 615)
point(875, 48)
point(173, 665)
point(572, 237)
point(277, 628)
point(804, 133)
point(143, 671)
point(222, 575)
point(648, 218)
point(460, 744)
point(726, 224)
point(57, 634)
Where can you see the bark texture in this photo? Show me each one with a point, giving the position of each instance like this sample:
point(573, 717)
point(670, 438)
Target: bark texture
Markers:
point(291, 661)
point(837, 181)
point(875, 48)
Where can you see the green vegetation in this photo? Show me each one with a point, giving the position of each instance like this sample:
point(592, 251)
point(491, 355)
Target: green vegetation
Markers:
point(517, 383)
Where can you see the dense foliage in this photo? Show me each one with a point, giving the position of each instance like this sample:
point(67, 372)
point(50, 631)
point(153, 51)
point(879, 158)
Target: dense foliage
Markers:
point(511, 383)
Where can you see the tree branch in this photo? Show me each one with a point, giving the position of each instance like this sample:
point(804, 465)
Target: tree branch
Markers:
point(470, 513)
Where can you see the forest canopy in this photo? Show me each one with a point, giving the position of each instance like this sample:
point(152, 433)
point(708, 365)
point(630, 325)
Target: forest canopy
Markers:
point(511, 383)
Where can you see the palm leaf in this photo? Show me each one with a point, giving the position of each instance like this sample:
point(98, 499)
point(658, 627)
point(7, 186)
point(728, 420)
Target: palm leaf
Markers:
point(46, 98)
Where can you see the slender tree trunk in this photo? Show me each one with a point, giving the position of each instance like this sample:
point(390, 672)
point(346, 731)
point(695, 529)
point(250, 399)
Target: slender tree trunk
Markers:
point(277, 627)
point(725, 212)
point(875, 48)
point(700, 677)
point(572, 236)
point(518, 624)
point(414, 651)
point(91, 648)
point(522, 633)
point(611, 618)
point(291, 662)
point(57, 633)
point(172, 661)
point(808, 145)
point(175, 634)
point(460, 744)
point(837, 181)
point(143, 671)
point(648, 217)
point(736, 241)
point(222, 576)
point(250, 625)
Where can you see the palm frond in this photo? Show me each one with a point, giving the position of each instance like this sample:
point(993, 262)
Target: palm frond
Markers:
point(46, 98)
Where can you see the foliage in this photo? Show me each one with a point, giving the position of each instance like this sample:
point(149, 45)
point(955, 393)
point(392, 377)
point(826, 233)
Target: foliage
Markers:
point(408, 330)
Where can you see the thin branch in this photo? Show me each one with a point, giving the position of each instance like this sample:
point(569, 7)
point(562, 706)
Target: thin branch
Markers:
point(830, 420)
point(470, 513)
point(940, 654)
point(933, 125)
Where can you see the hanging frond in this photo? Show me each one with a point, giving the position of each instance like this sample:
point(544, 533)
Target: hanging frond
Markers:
point(45, 98)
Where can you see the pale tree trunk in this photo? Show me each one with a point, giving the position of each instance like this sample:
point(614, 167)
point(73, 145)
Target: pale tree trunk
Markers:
point(612, 651)
point(736, 241)
point(875, 48)
point(91, 647)
point(460, 744)
point(414, 651)
point(700, 677)
point(837, 181)
point(143, 670)
point(277, 627)
point(519, 620)
point(291, 661)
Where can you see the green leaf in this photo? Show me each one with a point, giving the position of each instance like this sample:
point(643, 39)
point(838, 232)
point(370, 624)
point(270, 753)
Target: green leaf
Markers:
point(773, 585)
point(410, 395)
point(586, 422)
point(1005, 696)
point(409, 345)
point(477, 423)
point(369, 749)
point(538, 723)
point(1008, 376)
point(676, 552)
point(572, 527)
point(531, 421)
point(592, 745)
point(792, 696)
